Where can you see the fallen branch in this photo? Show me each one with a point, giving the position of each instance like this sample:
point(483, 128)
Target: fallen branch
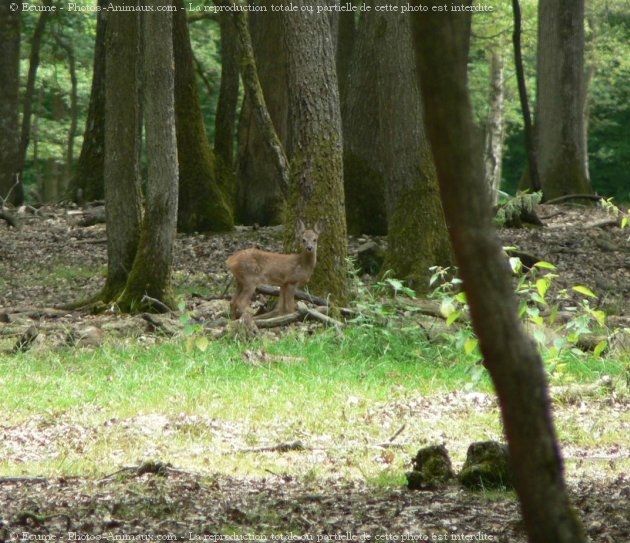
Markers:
point(281, 320)
point(602, 223)
point(9, 218)
point(299, 294)
point(303, 309)
point(567, 197)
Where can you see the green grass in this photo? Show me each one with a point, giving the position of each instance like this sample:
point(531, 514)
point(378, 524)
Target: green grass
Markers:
point(88, 412)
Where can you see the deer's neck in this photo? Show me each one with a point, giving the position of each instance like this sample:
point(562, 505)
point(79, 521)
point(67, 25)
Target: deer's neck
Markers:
point(308, 259)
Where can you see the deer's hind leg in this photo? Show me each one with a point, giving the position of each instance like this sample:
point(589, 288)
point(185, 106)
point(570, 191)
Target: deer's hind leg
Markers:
point(241, 300)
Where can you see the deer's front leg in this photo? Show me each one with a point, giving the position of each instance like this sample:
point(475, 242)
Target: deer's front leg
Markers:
point(287, 298)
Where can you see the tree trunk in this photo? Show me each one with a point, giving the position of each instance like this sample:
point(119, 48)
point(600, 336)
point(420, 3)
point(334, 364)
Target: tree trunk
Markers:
point(259, 193)
point(225, 120)
point(150, 274)
point(561, 94)
point(363, 165)
point(346, 37)
point(531, 176)
point(516, 369)
point(9, 100)
point(494, 130)
point(203, 205)
point(122, 147)
point(315, 145)
point(87, 183)
point(74, 111)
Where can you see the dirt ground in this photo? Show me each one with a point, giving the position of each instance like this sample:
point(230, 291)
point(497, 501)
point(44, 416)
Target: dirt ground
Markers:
point(37, 270)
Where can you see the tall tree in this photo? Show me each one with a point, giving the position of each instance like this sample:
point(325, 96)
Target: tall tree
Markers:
point(203, 205)
point(225, 120)
point(9, 99)
point(87, 183)
point(561, 145)
point(315, 144)
point(33, 65)
point(151, 271)
point(494, 128)
point(364, 175)
point(441, 44)
point(122, 147)
point(259, 194)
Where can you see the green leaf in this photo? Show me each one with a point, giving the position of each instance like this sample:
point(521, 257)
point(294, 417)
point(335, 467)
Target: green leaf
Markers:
point(470, 345)
point(542, 285)
point(461, 297)
point(447, 307)
point(453, 317)
point(600, 316)
point(600, 348)
point(545, 265)
point(202, 343)
point(515, 264)
point(624, 222)
point(583, 290)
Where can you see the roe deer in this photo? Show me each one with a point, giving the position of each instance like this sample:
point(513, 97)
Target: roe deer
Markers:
point(253, 267)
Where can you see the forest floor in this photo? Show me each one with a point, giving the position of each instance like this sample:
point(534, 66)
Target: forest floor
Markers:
point(52, 260)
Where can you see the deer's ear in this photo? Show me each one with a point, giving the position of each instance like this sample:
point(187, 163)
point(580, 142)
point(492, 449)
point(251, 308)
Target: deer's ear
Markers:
point(300, 227)
point(319, 227)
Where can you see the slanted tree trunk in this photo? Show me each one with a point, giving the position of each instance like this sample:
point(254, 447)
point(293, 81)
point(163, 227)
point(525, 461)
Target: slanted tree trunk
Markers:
point(203, 205)
point(9, 100)
point(441, 44)
point(315, 145)
point(87, 183)
point(151, 271)
point(560, 99)
point(494, 129)
point(122, 147)
point(259, 193)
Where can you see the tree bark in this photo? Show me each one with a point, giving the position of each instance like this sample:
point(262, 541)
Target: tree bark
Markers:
point(25, 134)
point(532, 174)
point(151, 271)
point(363, 152)
point(560, 99)
point(9, 100)
point(122, 147)
point(346, 39)
point(516, 369)
point(225, 120)
point(203, 204)
point(262, 163)
point(87, 183)
point(494, 130)
point(315, 145)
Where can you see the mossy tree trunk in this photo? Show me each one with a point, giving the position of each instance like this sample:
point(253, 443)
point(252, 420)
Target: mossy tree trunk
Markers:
point(561, 92)
point(122, 148)
point(259, 193)
point(203, 205)
point(346, 38)
point(315, 146)
point(151, 270)
point(441, 44)
point(88, 183)
point(9, 99)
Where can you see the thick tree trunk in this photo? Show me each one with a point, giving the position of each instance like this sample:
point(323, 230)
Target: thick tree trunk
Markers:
point(9, 100)
point(315, 145)
point(346, 37)
point(516, 369)
point(561, 94)
point(122, 147)
point(203, 205)
point(225, 120)
point(87, 183)
point(260, 194)
point(494, 130)
point(151, 271)
point(363, 165)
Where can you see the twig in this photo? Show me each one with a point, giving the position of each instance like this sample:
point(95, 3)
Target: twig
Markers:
point(157, 303)
point(398, 432)
point(36, 480)
point(303, 309)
